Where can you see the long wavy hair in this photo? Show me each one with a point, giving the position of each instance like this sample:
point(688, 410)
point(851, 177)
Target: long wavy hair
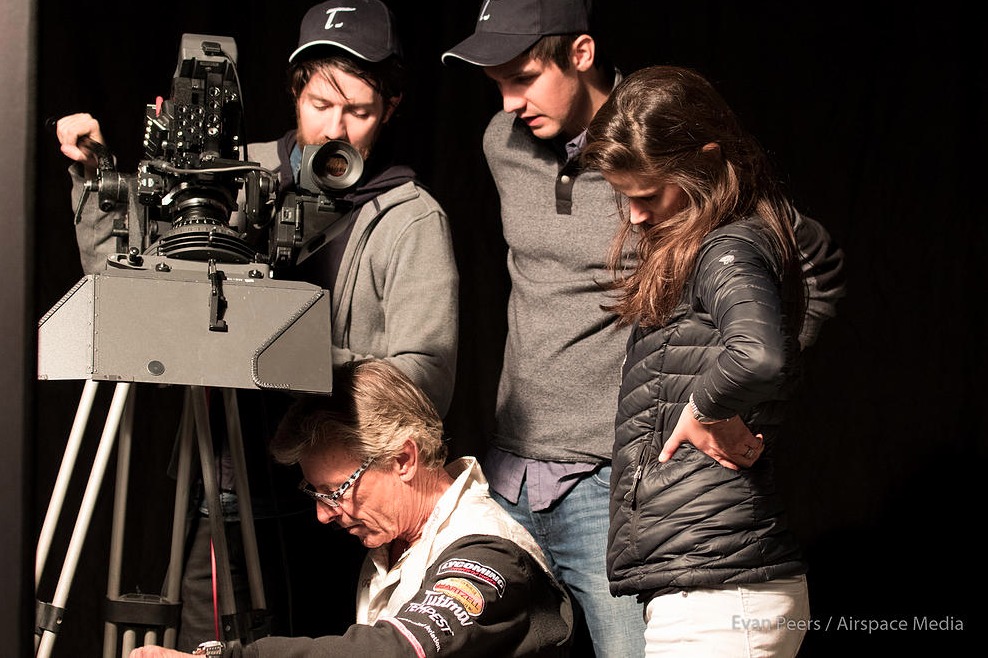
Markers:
point(669, 125)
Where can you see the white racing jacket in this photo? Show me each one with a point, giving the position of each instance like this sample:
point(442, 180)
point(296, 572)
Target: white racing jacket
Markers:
point(474, 584)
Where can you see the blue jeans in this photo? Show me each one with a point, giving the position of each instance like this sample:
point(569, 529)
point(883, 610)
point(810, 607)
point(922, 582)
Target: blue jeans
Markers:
point(573, 536)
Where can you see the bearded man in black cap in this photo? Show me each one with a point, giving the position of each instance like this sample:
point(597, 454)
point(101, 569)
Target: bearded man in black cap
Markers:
point(346, 79)
point(391, 271)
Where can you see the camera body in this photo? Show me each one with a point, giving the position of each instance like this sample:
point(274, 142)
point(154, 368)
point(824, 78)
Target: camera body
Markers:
point(195, 197)
point(190, 296)
point(192, 173)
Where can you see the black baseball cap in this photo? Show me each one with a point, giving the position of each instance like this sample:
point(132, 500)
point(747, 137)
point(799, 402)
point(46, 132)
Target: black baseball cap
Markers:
point(507, 28)
point(364, 28)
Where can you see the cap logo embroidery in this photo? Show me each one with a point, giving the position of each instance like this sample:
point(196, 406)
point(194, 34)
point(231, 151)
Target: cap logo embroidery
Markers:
point(484, 16)
point(331, 16)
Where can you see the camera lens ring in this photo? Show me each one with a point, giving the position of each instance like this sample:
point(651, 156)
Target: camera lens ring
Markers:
point(336, 166)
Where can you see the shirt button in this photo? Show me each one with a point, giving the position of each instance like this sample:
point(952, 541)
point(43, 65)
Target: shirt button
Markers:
point(564, 179)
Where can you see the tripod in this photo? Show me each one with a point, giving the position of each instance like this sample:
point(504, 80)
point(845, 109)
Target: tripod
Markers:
point(230, 328)
point(155, 618)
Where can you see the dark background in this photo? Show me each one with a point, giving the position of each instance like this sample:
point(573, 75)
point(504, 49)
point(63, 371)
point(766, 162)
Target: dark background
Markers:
point(876, 116)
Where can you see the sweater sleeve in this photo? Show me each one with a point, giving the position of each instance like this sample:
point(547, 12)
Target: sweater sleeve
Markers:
point(482, 591)
point(94, 230)
point(420, 303)
point(738, 285)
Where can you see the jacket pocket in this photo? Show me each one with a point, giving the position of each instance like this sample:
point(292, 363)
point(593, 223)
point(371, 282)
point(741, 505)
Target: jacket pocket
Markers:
point(645, 454)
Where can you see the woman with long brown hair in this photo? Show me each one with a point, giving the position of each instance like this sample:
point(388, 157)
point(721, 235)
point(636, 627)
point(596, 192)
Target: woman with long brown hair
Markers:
point(715, 300)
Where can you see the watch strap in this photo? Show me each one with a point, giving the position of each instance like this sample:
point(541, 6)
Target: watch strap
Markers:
point(706, 420)
point(209, 648)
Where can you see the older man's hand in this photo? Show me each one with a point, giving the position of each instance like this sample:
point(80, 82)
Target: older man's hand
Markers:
point(157, 652)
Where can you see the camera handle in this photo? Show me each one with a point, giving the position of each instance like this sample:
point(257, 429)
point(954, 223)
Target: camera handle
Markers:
point(109, 185)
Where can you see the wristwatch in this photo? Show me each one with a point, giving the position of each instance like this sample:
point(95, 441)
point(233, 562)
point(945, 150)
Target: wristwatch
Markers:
point(700, 417)
point(209, 648)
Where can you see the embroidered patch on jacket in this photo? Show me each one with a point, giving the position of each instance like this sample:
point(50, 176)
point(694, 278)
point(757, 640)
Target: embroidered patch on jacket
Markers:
point(726, 260)
point(474, 570)
point(463, 591)
point(436, 610)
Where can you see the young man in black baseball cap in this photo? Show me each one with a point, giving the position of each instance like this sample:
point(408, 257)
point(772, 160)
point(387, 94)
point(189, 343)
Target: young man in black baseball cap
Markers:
point(549, 459)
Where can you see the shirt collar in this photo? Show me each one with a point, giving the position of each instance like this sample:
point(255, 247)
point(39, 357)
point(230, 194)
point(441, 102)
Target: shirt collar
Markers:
point(575, 146)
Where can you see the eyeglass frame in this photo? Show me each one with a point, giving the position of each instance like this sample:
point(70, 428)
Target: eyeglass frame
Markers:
point(331, 500)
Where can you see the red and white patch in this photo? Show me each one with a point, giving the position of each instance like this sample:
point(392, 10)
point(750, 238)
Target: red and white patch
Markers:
point(463, 591)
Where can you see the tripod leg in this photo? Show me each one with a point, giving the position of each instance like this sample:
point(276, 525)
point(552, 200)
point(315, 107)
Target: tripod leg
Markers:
point(124, 444)
point(243, 499)
point(129, 642)
point(173, 582)
point(120, 394)
point(227, 602)
point(64, 475)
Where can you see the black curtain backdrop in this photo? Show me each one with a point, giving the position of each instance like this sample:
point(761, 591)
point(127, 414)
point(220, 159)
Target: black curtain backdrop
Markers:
point(876, 117)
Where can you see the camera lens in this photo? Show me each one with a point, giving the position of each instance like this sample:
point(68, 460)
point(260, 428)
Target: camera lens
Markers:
point(336, 166)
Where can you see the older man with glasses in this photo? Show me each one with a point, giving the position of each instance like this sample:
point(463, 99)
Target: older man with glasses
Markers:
point(449, 573)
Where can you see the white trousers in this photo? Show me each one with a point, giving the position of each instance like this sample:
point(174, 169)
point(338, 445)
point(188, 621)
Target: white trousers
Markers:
point(765, 620)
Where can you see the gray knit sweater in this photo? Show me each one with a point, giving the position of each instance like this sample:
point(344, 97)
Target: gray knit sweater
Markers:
point(563, 354)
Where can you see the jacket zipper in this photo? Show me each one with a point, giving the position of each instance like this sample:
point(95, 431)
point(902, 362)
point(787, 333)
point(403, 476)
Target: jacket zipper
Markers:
point(632, 495)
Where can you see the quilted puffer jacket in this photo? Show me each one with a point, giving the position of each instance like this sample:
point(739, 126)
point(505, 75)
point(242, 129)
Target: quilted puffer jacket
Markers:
point(690, 522)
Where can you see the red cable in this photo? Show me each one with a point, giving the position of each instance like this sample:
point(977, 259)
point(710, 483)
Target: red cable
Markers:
point(212, 560)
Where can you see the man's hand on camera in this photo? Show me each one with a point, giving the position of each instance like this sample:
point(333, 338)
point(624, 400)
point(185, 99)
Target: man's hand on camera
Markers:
point(71, 130)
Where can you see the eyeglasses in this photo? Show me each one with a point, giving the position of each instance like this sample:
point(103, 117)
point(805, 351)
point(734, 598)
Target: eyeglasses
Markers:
point(331, 500)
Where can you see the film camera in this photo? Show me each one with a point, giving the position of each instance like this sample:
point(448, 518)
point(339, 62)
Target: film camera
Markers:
point(190, 295)
point(186, 198)
point(190, 298)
